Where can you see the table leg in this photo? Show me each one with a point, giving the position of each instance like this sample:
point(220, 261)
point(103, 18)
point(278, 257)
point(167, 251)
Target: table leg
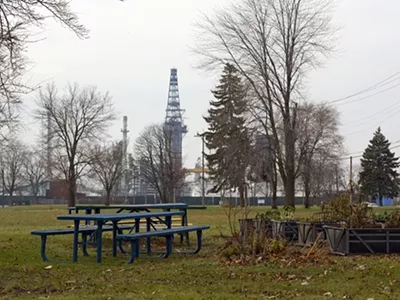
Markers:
point(168, 221)
point(88, 211)
point(76, 237)
point(114, 239)
point(148, 223)
point(137, 229)
point(185, 223)
point(99, 235)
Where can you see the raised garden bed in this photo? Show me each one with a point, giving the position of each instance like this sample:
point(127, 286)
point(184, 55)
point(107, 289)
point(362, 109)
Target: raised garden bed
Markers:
point(251, 226)
point(287, 229)
point(308, 232)
point(346, 241)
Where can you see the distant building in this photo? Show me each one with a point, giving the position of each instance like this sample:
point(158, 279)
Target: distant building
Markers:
point(265, 156)
point(58, 189)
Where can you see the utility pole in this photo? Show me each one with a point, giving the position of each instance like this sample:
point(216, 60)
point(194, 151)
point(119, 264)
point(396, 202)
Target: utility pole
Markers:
point(351, 178)
point(203, 188)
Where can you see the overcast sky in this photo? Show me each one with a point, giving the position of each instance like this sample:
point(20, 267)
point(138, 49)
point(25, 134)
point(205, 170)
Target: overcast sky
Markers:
point(133, 45)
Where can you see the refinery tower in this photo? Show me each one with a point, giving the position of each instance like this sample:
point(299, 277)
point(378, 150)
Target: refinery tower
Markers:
point(173, 118)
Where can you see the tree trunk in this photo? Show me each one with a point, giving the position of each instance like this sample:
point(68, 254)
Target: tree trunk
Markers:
point(72, 194)
point(241, 195)
point(307, 191)
point(290, 190)
point(108, 198)
point(290, 164)
point(275, 190)
point(380, 200)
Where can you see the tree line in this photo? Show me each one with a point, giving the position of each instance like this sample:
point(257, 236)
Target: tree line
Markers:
point(261, 127)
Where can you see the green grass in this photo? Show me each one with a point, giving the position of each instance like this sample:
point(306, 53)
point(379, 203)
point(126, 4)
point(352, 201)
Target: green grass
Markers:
point(204, 276)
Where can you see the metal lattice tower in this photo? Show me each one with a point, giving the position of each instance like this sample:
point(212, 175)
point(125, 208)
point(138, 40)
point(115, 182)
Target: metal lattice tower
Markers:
point(173, 119)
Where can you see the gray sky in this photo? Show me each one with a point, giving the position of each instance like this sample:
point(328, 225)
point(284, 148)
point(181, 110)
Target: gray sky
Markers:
point(133, 45)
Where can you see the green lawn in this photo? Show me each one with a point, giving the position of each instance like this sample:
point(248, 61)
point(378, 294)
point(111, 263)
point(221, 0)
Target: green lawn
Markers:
point(204, 276)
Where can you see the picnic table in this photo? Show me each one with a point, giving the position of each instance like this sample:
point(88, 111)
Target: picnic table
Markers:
point(89, 209)
point(101, 219)
point(129, 207)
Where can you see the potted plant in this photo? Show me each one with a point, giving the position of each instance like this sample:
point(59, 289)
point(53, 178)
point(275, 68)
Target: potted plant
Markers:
point(286, 226)
point(360, 232)
point(260, 224)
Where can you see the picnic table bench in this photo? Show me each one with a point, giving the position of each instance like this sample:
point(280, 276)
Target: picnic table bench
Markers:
point(134, 238)
point(85, 231)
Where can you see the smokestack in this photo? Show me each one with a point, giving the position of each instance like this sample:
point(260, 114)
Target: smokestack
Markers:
point(124, 155)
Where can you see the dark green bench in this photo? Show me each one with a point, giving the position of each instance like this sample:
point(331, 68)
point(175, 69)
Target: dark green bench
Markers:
point(134, 238)
point(85, 231)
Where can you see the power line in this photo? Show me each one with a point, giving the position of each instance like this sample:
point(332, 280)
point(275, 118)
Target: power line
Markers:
point(374, 116)
point(374, 125)
point(369, 96)
point(360, 155)
point(371, 88)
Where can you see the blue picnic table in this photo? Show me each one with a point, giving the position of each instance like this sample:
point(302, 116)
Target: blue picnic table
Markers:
point(89, 209)
point(129, 207)
point(101, 219)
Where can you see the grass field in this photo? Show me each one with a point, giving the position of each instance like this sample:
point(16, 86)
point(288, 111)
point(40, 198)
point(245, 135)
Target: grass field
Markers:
point(204, 276)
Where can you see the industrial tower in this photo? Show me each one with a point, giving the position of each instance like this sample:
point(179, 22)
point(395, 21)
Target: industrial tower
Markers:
point(124, 155)
point(173, 119)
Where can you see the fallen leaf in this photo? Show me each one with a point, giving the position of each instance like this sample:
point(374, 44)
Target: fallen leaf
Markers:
point(48, 267)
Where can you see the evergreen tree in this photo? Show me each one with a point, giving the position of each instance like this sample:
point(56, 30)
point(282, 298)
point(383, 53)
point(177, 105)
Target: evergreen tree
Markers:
point(378, 176)
point(227, 136)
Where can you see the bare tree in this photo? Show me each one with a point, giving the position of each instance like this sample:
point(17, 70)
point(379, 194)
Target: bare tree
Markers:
point(107, 163)
point(17, 18)
point(79, 117)
point(318, 141)
point(13, 156)
point(272, 43)
point(35, 171)
point(156, 163)
point(326, 180)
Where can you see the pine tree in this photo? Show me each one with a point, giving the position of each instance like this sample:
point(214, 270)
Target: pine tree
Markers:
point(378, 176)
point(227, 136)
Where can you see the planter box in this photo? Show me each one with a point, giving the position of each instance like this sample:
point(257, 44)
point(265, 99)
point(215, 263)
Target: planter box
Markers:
point(308, 232)
point(346, 241)
point(287, 229)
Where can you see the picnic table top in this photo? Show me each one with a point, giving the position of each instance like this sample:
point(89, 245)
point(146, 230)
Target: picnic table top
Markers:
point(132, 206)
point(120, 216)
